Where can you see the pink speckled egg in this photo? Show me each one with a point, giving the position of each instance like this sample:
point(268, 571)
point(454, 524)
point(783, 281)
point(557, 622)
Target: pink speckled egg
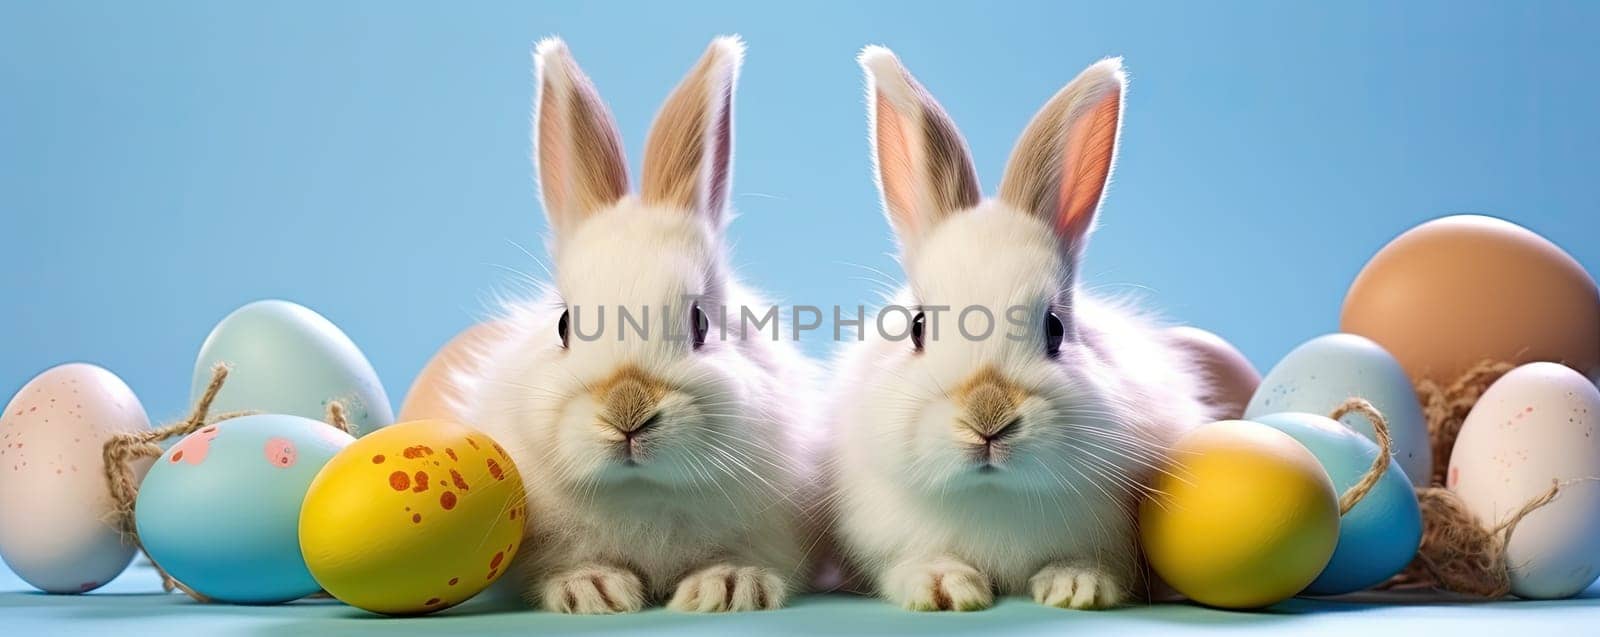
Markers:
point(1538, 424)
point(54, 532)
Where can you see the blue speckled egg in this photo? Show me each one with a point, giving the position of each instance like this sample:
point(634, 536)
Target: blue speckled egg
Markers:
point(1380, 534)
point(220, 510)
point(1323, 372)
point(287, 359)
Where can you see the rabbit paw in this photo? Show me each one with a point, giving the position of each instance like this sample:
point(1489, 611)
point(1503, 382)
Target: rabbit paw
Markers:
point(724, 587)
point(594, 590)
point(1075, 587)
point(943, 584)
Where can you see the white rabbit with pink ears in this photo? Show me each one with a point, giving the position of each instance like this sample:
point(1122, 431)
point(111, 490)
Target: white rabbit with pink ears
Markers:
point(661, 467)
point(964, 467)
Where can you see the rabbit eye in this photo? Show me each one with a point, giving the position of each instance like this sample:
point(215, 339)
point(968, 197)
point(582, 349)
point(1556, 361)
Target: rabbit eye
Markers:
point(702, 325)
point(564, 328)
point(1054, 332)
point(919, 323)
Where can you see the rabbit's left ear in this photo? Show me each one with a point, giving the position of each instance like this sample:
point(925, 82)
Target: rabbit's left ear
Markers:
point(688, 158)
point(923, 166)
point(1063, 161)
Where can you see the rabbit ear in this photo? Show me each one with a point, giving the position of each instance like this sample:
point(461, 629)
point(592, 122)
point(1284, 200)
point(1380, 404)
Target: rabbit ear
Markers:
point(1063, 161)
point(924, 169)
point(577, 150)
point(688, 158)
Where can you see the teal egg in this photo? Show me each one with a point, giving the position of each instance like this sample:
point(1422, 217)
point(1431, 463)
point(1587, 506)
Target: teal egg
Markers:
point(287, 359)
point(220, 510)
point(1381, 533)
point(1323, 372)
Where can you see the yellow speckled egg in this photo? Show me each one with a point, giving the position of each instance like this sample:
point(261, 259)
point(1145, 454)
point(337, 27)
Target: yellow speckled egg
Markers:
point(1245, 516)
point(413, 518)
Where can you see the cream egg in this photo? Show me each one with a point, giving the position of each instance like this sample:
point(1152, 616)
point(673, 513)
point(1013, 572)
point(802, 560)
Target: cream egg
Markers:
point(1536, 426)
point(56, 532)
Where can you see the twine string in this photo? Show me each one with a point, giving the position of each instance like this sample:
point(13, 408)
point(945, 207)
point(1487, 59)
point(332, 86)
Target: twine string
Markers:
point(1380, 464)
point(1509, 525)
point(338, 418)
point(1455, 554)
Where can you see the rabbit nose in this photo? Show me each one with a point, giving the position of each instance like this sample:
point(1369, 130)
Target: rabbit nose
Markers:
point(1006, 429)
point(989, 404)
point(631, 402)
point(638, 428)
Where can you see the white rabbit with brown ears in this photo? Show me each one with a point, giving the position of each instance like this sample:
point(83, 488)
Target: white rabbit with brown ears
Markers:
point(964, 467)
point(662, 466)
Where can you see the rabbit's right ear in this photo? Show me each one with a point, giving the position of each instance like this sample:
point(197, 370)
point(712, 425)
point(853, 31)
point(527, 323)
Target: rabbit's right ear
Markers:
point(924, 169)
point(577, 149)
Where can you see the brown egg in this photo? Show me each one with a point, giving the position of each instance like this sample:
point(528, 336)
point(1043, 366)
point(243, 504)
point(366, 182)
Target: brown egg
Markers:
point(1453, 291)
point(1231, 377)
point(433, 393)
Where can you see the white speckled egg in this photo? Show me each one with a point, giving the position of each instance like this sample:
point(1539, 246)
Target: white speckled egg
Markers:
point(1537, 424)
point(54, 503)
point(1323, 372)
point(287, 359)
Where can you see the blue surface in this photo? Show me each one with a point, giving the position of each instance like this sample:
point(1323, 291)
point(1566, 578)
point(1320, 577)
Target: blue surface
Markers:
point(164, 163)
point(132, 606)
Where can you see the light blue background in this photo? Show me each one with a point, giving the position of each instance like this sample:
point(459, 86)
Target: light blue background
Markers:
point(164, 163)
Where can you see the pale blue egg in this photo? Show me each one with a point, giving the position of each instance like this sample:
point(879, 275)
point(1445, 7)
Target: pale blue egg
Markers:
point(1380, 534)
point(287, 359)
point(220, 510)
point(1325, 371)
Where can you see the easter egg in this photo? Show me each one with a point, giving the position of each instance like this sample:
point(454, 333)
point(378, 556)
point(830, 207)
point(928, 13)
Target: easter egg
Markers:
point(414, 518)
point(1243, 517)
point(287, 359)
point(55, 508)
point(1538, 424)
point(1230, 378)
point(1379, 536)
point(433, 394)
point(1454, 291)
point(1323, 372)
point(220, 510)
